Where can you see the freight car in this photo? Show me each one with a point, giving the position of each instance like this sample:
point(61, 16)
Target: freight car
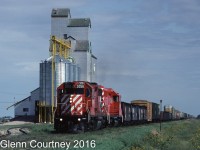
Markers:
point(83, 105)
point(170, 109)
point(153, 111)
point(166, 116)
point(133, 114)
point(176, 114)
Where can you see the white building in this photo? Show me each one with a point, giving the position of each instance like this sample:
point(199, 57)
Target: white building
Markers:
point(26, 107)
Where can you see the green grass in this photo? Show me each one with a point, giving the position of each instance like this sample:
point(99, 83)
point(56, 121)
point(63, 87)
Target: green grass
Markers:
point(175, 135)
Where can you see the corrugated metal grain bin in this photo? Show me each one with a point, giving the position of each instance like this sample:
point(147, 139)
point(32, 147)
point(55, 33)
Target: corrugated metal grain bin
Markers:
point(45, 82)
point(76, 72)
point(67, 71)
point(77, 75)
point(152, 112)
point(126, 111)
point(71, 72)
point(60, 72)
point(64, 72)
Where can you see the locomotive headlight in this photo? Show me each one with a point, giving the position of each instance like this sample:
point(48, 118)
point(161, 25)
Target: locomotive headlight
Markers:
point(61, 119)
point(79, 119)
point(70, 101)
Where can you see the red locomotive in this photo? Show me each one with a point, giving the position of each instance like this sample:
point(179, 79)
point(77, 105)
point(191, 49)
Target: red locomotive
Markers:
point(82, 105)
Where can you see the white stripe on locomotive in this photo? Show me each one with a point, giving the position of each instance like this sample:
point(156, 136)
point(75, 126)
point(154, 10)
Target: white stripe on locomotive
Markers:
point(75, 105)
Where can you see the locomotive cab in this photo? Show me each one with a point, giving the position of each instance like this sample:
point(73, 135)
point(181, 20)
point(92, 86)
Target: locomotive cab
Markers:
point(73, 101)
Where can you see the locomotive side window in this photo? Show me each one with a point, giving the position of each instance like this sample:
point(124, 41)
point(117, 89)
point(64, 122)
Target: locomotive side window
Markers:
point(115, 98)
point(100, 92)
point(88, 93)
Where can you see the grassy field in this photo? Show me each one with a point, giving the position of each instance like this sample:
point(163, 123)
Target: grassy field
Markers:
point(176, 135)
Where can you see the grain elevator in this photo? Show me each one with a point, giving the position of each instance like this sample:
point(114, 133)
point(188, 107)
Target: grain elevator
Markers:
point(75, 63)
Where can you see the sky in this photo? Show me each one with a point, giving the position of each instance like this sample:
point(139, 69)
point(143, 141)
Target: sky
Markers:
point(145, 49)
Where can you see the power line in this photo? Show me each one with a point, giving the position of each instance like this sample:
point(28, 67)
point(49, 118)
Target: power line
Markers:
point(12, 93)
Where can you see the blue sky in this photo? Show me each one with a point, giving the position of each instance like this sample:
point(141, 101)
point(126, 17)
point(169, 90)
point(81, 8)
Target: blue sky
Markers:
point(145, 49)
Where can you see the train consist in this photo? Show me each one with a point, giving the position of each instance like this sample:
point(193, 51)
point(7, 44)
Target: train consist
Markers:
point(170, 113)
point(82, 105)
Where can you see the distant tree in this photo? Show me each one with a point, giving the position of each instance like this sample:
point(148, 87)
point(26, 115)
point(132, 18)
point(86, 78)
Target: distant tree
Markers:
point(198, 117)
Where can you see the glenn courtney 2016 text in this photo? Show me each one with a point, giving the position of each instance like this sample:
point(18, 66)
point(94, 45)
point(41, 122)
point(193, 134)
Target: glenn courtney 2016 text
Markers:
point(46, 145)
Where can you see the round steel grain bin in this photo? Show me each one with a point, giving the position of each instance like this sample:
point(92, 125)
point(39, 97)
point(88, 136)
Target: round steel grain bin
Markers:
point(60, 72)
point(67, 71)
point(71, 72)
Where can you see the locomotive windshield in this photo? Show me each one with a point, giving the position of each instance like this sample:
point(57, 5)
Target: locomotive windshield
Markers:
point(71, 88)
point(74, 91)
point(115, 98)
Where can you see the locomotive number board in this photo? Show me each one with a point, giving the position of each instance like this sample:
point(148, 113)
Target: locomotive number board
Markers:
point(80, 85)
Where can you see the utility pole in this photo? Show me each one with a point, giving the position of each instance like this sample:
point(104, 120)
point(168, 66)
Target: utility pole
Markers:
point(160, 114)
